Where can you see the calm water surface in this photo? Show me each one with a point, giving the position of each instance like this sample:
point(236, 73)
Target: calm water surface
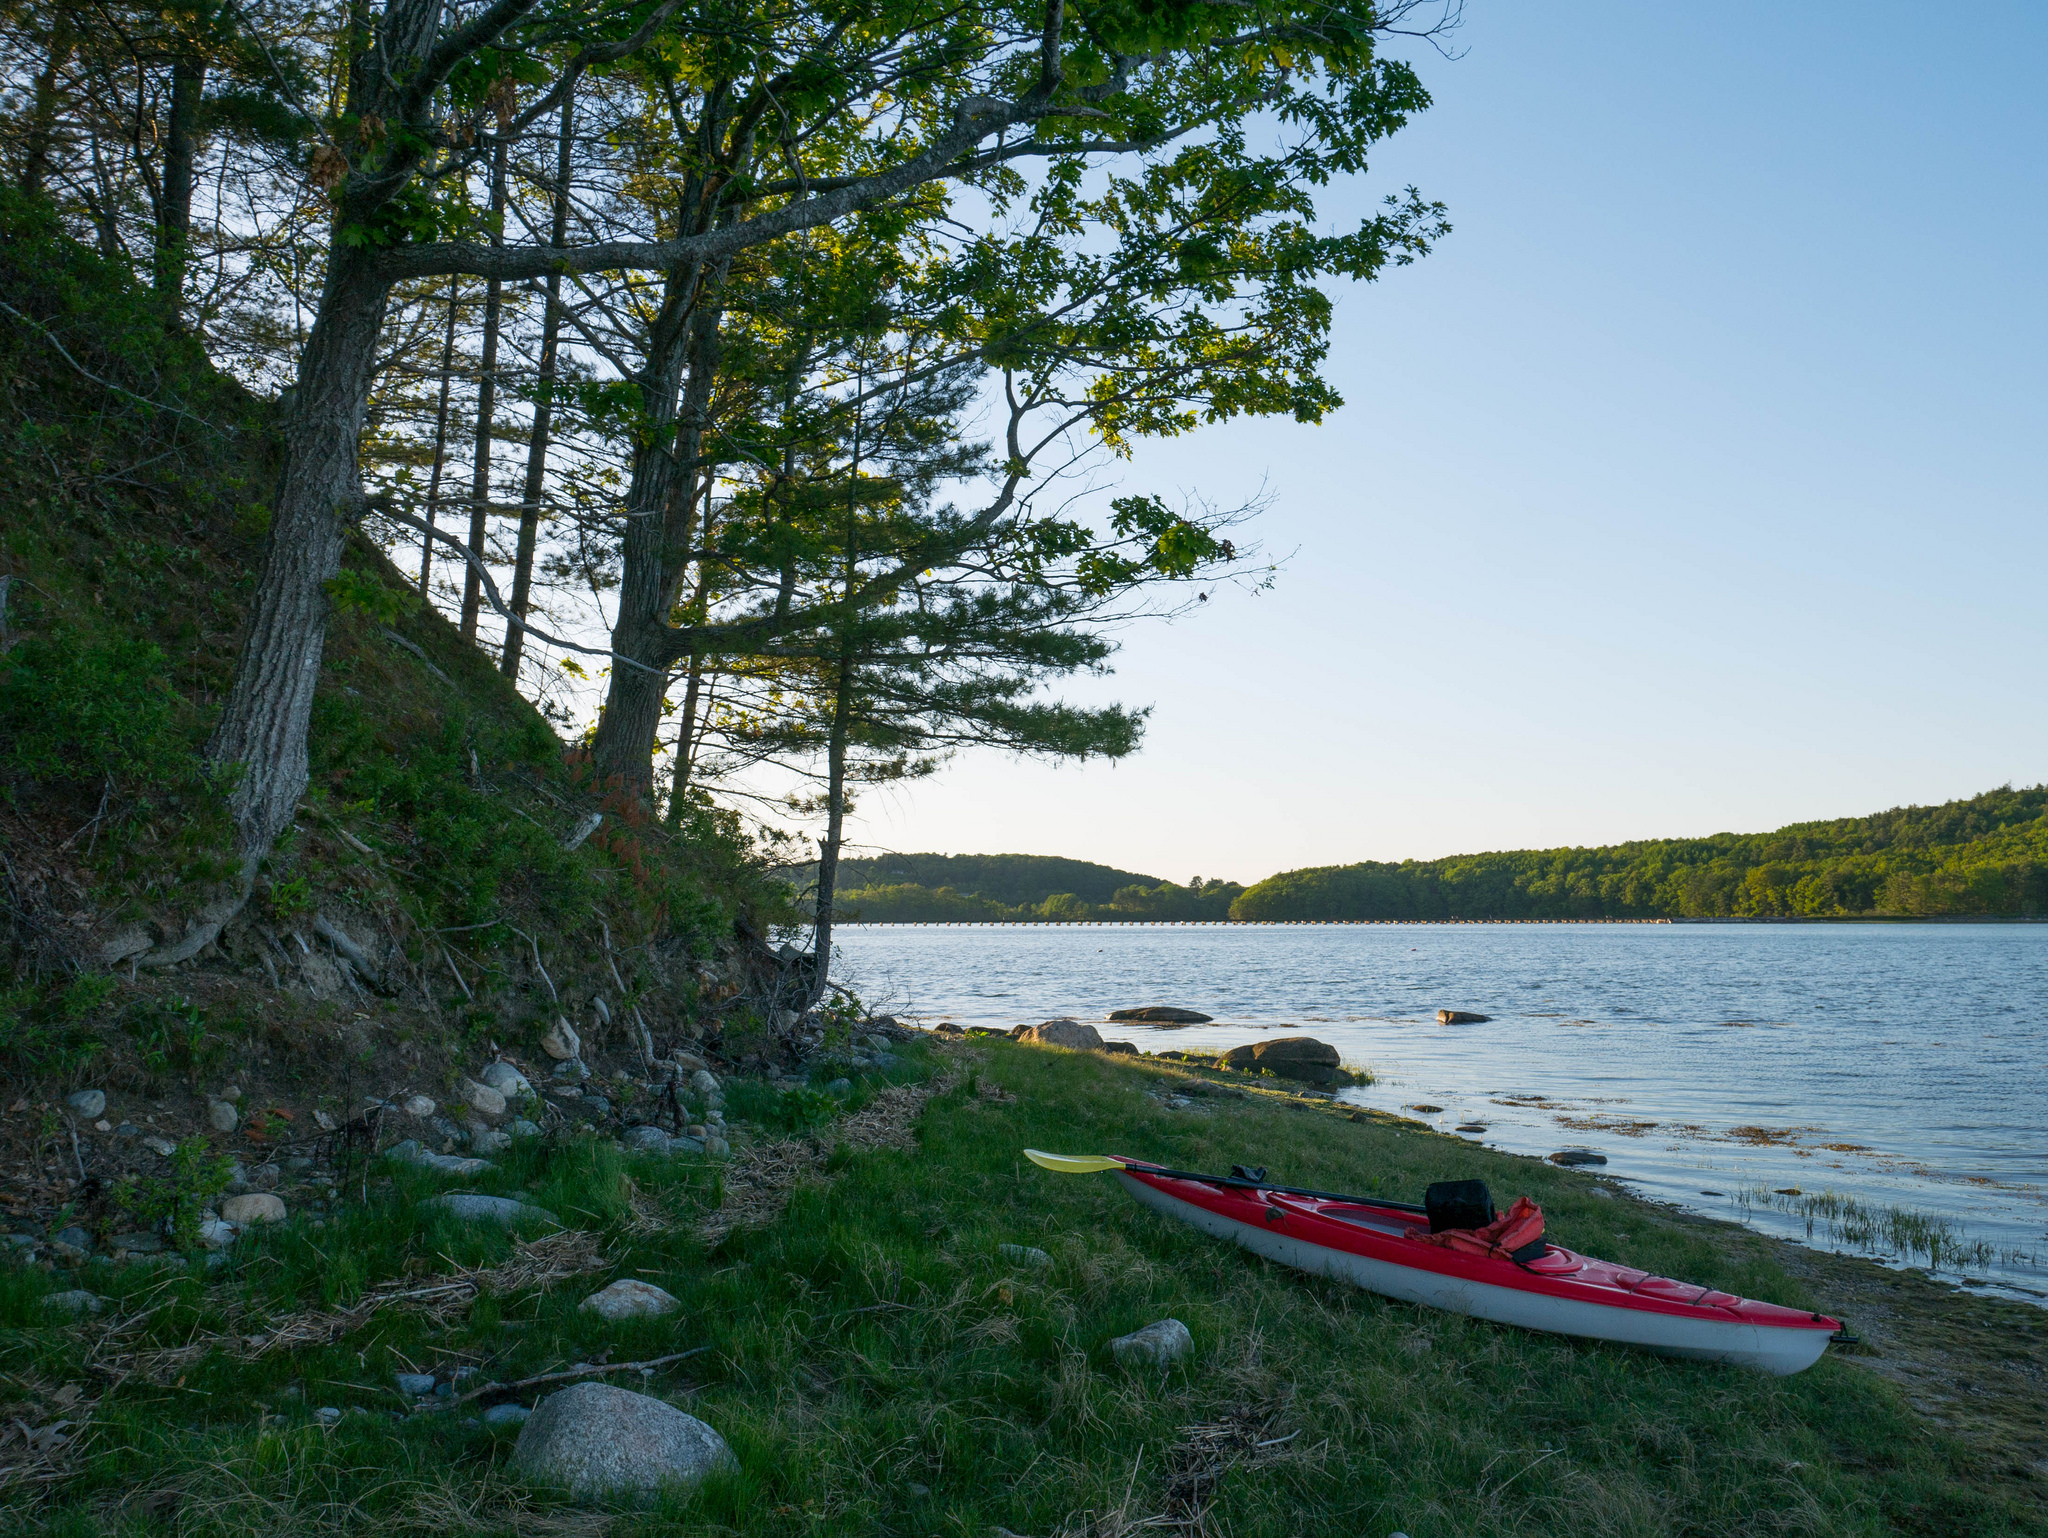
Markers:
point(1902, 1066)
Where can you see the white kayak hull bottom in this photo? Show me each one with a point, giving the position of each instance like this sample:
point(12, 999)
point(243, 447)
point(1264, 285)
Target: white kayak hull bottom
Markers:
point(1781, 1351)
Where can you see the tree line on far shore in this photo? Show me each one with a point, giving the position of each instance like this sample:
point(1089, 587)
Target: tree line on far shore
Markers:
point(1986, 856)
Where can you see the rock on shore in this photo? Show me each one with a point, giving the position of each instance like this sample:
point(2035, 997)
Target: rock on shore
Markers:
point(1071, 1034)
point(600, 1440)
point(1291, 1057)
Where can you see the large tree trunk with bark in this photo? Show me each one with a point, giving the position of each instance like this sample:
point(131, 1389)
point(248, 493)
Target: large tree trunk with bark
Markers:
point(661, 513)
point(261, 735)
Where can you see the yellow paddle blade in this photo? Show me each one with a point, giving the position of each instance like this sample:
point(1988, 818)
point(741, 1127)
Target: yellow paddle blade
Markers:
point(1073, 1164)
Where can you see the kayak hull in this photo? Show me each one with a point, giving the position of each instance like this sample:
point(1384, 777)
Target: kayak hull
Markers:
point(1569, 1295)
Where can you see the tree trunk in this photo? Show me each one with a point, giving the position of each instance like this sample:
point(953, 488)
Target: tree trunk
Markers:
point(261, 735)
point(440, 441)
point(686, 741)
point(656, 548)
point(486, 401)
point(174, 210)
point(835, 826)
point(42, 123)
point(543, 409)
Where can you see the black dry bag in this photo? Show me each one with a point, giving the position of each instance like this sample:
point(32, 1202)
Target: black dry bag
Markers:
point(1458, 1204)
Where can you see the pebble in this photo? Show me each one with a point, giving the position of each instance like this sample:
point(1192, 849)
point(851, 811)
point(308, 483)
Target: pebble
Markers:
point(420, 1106)
point(1603, 1191)
point(215, 1234)
point(596, 1105)
point(522, 1128)
point(705, 1083)
point(78, 1238)
point(499, 1416)
point(572, 1071)
point(88, 1103)
point(1026, 1255)
point(492, 1209)
point(481, 1098)
point(256, 1207)
point(75, 1301)
point(646, 1139)
point(327, 1415)
point(490, 1140)
point(630, 1299)
point(415, 1385)
point(163, 1146)
point(562, 1043)
point(136, 1244)
point(1157, 1345)
point(601, 1440)
point(689, 1145)
point(410, 1152)
point(222, 1115)
point(840, 1087)
point(506, 1080)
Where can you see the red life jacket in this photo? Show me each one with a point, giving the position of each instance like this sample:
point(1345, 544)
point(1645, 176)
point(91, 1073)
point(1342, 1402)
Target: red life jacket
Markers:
point(1516, 1234)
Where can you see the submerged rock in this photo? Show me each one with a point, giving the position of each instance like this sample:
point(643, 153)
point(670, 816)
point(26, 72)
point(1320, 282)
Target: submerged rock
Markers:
point(600, 1440)
point(1157, 1345)
point(1460, 1017)
point(1162, 1014)
point(1576, 1156)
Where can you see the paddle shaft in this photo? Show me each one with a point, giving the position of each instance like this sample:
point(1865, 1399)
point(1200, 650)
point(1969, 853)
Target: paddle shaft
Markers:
point(1233, 1183)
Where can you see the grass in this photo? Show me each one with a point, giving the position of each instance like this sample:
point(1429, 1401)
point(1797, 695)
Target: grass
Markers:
point(880, 1368)
point(1904, 1233)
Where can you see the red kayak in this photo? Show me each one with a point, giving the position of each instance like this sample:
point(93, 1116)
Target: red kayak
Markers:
point(1546, 1287)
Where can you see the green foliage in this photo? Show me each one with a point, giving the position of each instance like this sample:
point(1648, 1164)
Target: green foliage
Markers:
point(171, 1035)
point(779, 1110)
point(42, 1027)
point(359, 592)
point(197, 1176)
point(72, 710)
point(1987, 855)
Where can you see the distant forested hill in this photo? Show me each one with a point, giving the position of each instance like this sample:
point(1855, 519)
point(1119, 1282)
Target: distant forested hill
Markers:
point(1003, 878)
point(1987, 855)
point(909, 888)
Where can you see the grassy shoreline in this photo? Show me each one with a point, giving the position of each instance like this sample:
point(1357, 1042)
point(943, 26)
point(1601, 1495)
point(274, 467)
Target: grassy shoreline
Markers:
point(879, 1366)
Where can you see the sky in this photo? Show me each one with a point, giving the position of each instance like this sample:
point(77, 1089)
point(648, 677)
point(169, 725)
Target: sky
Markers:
point(1694, 483)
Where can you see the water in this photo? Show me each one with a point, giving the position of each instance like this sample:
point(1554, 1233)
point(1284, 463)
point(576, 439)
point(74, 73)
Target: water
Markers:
point(1866, 1067)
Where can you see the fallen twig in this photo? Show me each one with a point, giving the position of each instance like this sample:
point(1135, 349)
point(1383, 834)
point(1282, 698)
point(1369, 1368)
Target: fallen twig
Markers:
point(571, 1372)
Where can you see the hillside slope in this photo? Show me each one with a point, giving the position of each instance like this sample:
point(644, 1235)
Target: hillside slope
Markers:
point(428, 910)
point(1987, 855)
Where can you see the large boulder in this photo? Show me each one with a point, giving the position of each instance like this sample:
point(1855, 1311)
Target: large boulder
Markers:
point(1071, 1034)
point(599, 1440)
point(1162, 1014)
point(1290, 1057)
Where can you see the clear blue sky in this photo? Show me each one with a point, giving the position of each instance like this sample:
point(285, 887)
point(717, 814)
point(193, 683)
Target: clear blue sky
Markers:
point(1697, 481)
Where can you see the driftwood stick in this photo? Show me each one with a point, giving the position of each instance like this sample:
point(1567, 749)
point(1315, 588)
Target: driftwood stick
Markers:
point(572, 1372)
